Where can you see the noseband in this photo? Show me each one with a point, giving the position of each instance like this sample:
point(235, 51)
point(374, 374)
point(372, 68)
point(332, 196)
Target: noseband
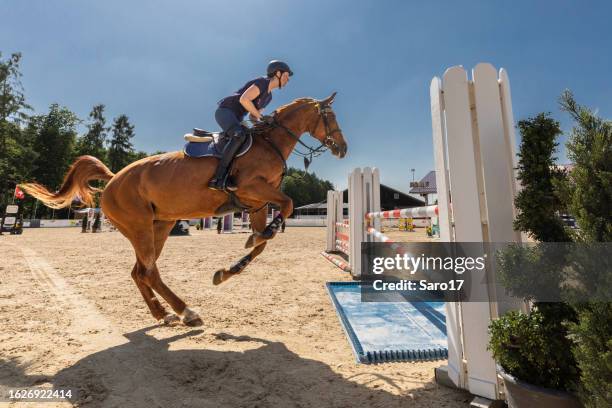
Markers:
point(324, 110)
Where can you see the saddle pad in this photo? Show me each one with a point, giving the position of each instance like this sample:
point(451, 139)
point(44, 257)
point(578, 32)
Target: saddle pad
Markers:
point(214, 148)
point(390, 331)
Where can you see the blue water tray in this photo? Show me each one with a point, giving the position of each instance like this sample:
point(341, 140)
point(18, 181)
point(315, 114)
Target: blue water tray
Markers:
point(390, 331)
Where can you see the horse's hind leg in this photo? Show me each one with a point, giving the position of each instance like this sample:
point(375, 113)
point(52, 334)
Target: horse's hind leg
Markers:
point(258, 224)
point(139, 271)
point(156, 308)
point(161, 230)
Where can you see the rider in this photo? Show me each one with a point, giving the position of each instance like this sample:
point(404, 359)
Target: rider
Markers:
point(253, 97)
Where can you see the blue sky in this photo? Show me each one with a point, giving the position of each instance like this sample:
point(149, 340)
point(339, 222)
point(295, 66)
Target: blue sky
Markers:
point(166, 63)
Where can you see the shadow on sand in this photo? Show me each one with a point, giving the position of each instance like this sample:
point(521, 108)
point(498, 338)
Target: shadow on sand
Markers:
point(144, 372)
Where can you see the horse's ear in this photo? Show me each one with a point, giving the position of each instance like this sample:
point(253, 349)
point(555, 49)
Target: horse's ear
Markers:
point(329, 100)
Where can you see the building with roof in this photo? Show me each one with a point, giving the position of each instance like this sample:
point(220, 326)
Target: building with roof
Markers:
point(425, 187)
point(390, 199)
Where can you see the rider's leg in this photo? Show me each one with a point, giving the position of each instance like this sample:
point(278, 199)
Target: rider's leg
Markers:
point(228, 121)
point(220, 180)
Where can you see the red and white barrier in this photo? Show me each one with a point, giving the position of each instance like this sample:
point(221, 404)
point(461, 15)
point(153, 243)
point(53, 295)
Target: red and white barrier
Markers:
point(417, 212)
point(340, 264)
point(364, 222)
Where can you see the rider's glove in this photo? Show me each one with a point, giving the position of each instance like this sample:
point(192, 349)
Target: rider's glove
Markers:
point(268, 119)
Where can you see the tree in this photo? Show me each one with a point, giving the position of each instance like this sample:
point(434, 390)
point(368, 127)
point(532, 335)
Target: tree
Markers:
point(538, 201)
point(305, 188)
point(12, 99)
point(135, 156)
point(92, 143)
point(590, 199)
point(590, 149)
point(54, 141)
point(15, 153)
point(120, 145)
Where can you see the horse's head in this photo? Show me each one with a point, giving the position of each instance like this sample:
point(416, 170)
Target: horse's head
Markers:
point(326, 129)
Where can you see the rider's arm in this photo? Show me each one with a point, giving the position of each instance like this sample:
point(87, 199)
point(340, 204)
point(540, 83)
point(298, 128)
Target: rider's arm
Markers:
point(253, 118)
point(246, 100)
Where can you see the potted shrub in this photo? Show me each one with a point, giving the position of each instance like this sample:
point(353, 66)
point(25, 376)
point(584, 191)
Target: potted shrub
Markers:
point(535, 363)
point(559, 350)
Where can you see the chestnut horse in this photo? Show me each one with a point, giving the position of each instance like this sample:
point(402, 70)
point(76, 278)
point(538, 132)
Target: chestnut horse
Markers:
point(144, 199)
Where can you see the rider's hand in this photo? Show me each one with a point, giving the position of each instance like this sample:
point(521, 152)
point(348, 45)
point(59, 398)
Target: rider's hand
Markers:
point(268, 119)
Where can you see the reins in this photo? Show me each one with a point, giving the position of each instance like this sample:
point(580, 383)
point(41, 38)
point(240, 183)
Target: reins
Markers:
point(323, 110)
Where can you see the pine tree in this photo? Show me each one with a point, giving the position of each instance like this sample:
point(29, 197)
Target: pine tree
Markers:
point(92, 142)
point(121, 147)
point(12, 99)
point(590, 149)
point(54, 140)
point(15, 153)
point(590, 200)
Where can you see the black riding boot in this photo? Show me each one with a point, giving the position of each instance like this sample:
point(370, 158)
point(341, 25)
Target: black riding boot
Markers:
point(221, 181)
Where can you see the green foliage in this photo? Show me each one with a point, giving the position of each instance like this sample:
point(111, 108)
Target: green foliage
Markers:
point(538, 201)
point(590, 149)
point(590, 186)
point(135, 156)
point(593, 352)
point(532, 348)
point(120, 145)
point(41, 147)
point(54, 137)
point(535, 347)
point(532, 272)
point(92, 142)
point(12, 99)
point(13, 149)
point(305, 188)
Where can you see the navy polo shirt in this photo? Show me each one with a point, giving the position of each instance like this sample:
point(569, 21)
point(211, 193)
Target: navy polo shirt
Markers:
point(232, 102)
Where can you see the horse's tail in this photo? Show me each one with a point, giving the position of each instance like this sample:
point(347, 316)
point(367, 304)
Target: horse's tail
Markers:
point(75, 185)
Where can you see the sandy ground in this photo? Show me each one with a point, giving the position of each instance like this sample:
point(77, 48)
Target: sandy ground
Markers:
point(72, 317)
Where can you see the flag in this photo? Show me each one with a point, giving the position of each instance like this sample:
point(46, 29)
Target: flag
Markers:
point(18, 193)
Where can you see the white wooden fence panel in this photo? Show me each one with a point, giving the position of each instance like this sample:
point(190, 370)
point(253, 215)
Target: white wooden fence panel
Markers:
point(453, 315)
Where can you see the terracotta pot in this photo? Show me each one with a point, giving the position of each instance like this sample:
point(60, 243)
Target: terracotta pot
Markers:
point(523, 395)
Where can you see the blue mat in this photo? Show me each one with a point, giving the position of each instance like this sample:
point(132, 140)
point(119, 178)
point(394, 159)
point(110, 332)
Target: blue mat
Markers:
point(390, 331)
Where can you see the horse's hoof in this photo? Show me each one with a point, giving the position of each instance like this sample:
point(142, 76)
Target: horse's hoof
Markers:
point(218, 277)
point(171, 319)
point(193, 322)
point(191, 318)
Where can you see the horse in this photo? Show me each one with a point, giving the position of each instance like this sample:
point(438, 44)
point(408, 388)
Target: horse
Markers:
point(144, 199)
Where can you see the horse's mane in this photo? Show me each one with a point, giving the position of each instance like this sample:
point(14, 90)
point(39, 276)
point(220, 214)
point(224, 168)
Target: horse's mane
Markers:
point(282, 109)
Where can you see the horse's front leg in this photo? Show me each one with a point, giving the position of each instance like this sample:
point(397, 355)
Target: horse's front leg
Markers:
point(258, 224)
point(262, 191)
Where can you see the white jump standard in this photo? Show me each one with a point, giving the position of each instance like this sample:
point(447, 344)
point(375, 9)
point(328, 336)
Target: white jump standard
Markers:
point(474, 154)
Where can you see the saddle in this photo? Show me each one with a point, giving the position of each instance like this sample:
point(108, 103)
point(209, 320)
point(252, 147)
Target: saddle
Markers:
point(202, 143)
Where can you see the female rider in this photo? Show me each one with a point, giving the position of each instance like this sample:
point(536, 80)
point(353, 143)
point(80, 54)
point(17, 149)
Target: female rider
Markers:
point(253, 97)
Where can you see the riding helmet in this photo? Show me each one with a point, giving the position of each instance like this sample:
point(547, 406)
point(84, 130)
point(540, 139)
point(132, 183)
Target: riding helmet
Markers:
point(276, 65)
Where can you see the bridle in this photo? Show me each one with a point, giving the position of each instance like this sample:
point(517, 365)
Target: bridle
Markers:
point(324, 110)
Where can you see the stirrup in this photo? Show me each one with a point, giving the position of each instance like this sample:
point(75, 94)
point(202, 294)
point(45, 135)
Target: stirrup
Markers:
point(215, 185)
point(227, 185)
point(230, 185)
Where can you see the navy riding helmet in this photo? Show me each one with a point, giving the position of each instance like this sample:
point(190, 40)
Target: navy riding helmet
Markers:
point(276, 65)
